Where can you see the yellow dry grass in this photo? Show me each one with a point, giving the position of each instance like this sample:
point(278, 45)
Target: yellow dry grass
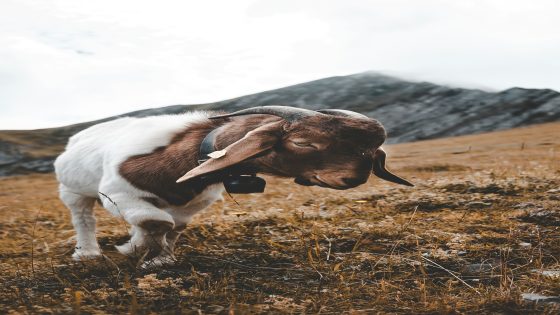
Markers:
point(471, 237)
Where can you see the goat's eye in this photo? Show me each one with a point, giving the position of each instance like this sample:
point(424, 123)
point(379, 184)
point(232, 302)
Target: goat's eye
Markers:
point(304, 145)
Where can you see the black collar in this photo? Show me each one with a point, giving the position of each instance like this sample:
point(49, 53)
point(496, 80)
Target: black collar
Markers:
point(235, 183)
point(207, 146)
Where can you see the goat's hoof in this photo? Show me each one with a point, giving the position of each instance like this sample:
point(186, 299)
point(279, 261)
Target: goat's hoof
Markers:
point(159, 261)
point(127, 249)
point(88, 254)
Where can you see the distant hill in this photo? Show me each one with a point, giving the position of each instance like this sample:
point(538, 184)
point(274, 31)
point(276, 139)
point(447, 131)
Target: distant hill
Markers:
point(409, 110)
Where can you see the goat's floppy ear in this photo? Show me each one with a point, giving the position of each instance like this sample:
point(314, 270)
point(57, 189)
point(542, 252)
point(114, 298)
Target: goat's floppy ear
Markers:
point(253, 143)
point(380, 171)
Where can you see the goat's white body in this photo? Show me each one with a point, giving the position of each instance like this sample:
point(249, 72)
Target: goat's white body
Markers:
point(89, 169)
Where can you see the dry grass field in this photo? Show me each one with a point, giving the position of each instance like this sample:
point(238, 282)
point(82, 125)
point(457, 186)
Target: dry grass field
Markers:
point(480, 229)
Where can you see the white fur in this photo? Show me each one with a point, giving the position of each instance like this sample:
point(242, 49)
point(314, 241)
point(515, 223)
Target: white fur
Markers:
point(89, 169)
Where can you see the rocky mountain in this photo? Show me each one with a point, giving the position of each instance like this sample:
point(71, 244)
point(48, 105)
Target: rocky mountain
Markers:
point(409, 110)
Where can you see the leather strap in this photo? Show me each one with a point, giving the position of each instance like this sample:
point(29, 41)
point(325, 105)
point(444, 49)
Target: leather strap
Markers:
point(240, 183)
point(207, 146)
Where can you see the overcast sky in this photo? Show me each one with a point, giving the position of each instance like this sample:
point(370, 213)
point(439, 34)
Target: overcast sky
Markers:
point(68, 61)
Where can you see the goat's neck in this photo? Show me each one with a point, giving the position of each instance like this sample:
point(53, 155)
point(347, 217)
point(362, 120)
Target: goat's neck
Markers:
point(236, 129)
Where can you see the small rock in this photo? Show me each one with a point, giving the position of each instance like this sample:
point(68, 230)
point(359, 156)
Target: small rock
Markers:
point(524, 205)
point(548, 273)
point(525, 244)
point(538, 298)
point(345, 229)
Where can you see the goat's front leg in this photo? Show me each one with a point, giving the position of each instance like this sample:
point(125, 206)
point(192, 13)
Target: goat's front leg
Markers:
point(166, 256)
point(150, 226)
point(148, 239)
point(173, 235)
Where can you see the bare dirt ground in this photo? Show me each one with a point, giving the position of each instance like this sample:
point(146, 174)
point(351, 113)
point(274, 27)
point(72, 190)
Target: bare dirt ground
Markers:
point(480, 229)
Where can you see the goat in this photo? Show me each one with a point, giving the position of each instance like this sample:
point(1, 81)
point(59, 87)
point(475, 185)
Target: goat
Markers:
point(133, 166)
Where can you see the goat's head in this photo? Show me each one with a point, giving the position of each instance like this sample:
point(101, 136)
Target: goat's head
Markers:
point(329, 148)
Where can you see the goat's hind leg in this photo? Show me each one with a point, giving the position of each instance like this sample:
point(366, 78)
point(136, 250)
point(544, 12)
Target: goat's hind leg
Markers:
point(81, 208)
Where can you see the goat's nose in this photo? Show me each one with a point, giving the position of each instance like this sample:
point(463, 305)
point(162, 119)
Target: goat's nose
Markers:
point(353, 181)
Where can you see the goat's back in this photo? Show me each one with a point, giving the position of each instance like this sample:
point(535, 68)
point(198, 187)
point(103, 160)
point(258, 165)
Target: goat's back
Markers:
point(95, 154)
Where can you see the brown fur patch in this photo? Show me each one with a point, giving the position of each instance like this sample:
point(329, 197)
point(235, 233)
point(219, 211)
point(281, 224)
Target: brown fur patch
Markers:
point(157, 171)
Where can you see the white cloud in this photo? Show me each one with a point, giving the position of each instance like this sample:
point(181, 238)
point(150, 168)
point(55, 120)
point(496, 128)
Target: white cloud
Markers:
point(67, 61)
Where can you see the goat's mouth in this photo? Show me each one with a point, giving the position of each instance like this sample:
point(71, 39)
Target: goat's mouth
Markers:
point(303, 181)
point(316, 180)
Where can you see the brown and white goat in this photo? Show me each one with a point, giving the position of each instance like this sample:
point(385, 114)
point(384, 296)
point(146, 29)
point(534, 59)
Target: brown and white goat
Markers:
point(146, 170)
